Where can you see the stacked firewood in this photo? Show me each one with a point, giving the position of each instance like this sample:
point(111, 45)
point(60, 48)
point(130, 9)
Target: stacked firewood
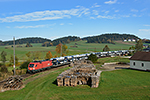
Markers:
point(13, 82)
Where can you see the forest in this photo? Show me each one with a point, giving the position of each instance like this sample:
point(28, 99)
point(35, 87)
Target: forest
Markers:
point(109, 38)
point(104, 38)
point(25, 40)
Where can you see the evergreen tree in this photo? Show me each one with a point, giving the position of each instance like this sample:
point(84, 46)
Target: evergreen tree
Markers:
point(92, 57)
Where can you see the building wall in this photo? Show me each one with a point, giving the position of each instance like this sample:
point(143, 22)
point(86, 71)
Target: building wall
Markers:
point(142, 65)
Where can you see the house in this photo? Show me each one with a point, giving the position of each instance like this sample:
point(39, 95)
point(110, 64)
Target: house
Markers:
point(146, 49)
point(140, 61)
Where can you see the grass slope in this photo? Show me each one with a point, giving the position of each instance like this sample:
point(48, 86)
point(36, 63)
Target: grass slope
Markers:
point(118, 84)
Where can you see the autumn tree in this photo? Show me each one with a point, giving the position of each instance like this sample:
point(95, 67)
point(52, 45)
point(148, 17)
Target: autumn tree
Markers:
point(48, 55)
point(64, 49)
point(139, 45)
point(106, 48)
point(3, 56)
point(36, 55)
point(58, 48)
point(28, 44)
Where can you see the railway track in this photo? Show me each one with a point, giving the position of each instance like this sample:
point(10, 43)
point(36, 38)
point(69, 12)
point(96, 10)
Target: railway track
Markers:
point(28, 75)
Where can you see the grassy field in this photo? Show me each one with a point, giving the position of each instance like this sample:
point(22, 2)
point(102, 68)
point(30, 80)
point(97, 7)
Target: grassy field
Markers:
point(118, 84)
point(83, 47)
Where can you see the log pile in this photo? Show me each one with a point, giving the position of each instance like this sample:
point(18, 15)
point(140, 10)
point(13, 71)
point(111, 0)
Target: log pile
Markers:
point(83, 73)
point(13, 82)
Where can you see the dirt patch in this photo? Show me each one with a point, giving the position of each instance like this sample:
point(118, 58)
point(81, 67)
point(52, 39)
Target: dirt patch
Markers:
point(113, 66)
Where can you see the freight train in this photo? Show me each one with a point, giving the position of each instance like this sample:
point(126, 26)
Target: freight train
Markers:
point(38, 66)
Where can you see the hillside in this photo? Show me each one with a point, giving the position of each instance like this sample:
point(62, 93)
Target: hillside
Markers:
point(46, 42)
point(26, 40)
point(62, 40)
point(109, 38)
point(104, 38)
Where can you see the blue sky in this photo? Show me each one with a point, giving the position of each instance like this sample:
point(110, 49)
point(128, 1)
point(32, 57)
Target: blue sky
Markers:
point(57, 18)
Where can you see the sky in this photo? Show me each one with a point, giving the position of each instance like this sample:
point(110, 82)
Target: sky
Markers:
point(52, 19)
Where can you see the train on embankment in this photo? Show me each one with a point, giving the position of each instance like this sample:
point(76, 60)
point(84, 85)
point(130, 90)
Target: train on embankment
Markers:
point(37, 66)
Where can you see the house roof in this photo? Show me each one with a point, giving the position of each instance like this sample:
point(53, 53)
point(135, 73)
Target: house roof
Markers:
point(142, 56)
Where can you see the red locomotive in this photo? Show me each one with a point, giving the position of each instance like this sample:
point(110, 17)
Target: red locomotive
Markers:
point(38, 66)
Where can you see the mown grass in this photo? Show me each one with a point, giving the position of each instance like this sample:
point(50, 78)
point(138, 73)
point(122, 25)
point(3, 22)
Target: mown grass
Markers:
point(118, 84)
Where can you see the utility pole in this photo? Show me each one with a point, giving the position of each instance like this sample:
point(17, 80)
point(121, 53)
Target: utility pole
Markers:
point(14, 54)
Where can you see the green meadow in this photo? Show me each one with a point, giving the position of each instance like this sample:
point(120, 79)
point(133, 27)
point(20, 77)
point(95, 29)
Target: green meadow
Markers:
point(122, 84)
point(82, 48)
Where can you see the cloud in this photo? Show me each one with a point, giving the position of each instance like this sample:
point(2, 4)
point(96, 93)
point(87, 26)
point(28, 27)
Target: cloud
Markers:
point(46, 15)
point(70, 23)
point(92, 18)
point(134, 10)
point(61, 23)
point(95, 12)
point(146, 25)
point(36, 26)
point(95, 5)
point(116, 10)
point(110, 2)
point(145, 30)
point(107, 17)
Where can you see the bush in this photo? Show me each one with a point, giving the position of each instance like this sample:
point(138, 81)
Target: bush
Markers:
point(92, 57)
point(24, 65)
point(1, 64)
point(4, 69)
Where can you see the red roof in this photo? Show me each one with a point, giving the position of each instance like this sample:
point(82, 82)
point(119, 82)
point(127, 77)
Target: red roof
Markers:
point(142, 56)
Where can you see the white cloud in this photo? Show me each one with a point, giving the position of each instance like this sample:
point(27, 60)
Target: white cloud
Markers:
point(116, 10)
point(146, 25)
point(46, 15)
point(7, 26)
point(95, 5)
point(107, 17)
point(70, 23)
point(61, 23)
point(134, 10)
point(36, 26)
point(145, 30)
point(110, 2)
point(92, 18)
point(95, 12)
point(106, 12)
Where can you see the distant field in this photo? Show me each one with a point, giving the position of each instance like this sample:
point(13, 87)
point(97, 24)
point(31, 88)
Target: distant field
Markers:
point(83, 47)
point(118, 85)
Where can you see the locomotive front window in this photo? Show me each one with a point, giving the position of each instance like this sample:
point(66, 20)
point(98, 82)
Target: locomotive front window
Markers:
point(31, 65)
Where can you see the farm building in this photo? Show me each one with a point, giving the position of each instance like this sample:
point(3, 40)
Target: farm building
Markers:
point(140, 61)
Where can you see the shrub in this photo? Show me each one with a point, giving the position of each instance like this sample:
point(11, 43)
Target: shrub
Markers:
point(4, 69)
point(24, 65)
point(92, 57)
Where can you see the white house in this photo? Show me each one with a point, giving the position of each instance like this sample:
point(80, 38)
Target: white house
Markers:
point(140, 60)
